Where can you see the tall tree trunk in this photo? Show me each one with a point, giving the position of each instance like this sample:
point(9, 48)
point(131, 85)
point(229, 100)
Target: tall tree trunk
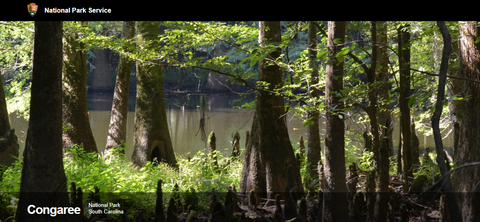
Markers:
point(268, 151)
point(43, 181)
point(152, 135)
point(4, 120)
point(117, 130)
point(379, 30)
point(383, 97)
point(447, 41)
point(372, 98)
point(404, 63)
point(467, 123)
point(335, 189)
point(313, 130)
point(8, 139)
point(75, 113)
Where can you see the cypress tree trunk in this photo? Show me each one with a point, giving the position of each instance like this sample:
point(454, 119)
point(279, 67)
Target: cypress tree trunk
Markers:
point(383, 116)
point(75, 114)
point(335, 206)
point(313, 144)
point(43, 181)
point(151, 127)
point(404, 63)
point(117, 130)
point(467, 123)
point(269, 152)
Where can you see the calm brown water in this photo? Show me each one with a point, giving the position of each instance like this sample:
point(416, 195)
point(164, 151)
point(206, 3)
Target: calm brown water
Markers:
point(184, 125)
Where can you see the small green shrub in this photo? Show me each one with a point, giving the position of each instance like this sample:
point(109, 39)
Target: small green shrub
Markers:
point(428, 166)
point(10, 187)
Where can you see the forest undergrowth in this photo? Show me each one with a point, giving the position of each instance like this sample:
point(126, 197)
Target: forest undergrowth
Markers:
point(119, 180)
point(192, 181)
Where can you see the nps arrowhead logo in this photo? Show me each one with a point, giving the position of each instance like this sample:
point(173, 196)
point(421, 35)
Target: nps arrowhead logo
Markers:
point(32, 9)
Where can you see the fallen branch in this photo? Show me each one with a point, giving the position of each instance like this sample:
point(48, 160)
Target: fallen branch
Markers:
point(437, 185)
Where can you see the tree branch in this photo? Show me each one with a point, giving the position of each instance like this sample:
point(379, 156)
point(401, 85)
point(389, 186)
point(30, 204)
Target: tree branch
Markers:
point(359, 61)
point(354, 57)
point(447, 41)
point(435, 74)
point(237, 78)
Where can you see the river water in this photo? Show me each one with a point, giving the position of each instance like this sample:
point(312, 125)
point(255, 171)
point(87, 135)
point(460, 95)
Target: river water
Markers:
point(183, 114)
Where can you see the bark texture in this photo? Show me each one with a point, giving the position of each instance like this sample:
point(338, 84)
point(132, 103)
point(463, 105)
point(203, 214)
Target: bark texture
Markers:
point(335, 206)
point(382, 77)
point(467, 123)
point(117, 130)
point(152, 135)
point(43, 181)
point(383, 117)
point(313, 130)
point(75, 113)
point(269, 151)
point(404, 63)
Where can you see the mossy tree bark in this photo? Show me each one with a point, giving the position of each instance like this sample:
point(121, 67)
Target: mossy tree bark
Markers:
point(151, 128)
point(117, 130)
point(269, 151)
point(75, 113)
point(335, 206)
point(379, 31)
point(43, 180)
point(467, 122)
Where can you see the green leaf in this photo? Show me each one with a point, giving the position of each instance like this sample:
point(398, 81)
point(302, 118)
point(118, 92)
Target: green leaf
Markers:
point(253, 58)
point(246, 105)
point(308, 121)
point(411, 101)
point(253, 61)
point(321, 55)
point(345, 50)
point(321, 106)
